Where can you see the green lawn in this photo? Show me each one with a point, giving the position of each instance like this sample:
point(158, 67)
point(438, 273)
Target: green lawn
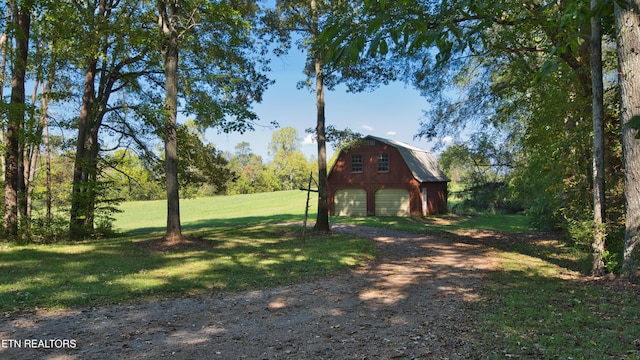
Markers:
point(448, 223)
point(233, 210)
point(539, 306)
point(246, 249)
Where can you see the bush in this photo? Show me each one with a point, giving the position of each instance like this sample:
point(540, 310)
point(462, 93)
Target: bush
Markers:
point(493, 197)
point(43, 231)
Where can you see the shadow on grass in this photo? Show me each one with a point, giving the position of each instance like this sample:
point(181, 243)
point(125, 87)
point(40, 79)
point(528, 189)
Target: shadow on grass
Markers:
point(546, 246)
point(536, 313)
point(214, 223)
point(244, 253)
point(509, 233)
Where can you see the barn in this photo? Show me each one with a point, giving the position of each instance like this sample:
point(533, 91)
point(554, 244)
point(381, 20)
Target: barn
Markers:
point(386, 178)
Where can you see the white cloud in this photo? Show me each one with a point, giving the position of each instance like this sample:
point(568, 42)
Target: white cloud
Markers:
point(309, 139)
point(446, 139)
point(391, 132)
point(367, 127)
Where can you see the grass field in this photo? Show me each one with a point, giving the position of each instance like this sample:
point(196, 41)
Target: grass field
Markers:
point(199, 213)
point(247, 249)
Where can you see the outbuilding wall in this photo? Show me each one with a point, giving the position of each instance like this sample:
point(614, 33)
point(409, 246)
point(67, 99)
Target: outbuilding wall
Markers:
point(399, 176)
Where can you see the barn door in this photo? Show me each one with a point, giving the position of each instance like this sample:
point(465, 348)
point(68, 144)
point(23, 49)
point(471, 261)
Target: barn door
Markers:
point(350, 202)
point(392, 202)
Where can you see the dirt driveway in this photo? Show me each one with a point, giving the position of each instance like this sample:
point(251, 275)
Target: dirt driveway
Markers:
point(408, 304)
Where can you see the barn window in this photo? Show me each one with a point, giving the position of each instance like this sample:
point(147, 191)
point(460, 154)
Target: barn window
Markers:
point(356, 163)
point(383, 162)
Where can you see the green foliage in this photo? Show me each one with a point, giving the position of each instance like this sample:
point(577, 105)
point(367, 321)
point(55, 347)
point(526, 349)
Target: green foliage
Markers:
point(483, 166)
point(222, 73)
point(341, 140)
point(612, 261)
point(200, 163)
point(284, 141)
point(520, 70)
point(222, 63)
point(250, 174)
point(47, 231)
point(580, 231)
point(493, 197)
point(296, 20)
point(613, 255)
point(290, 166)
point(130, 178)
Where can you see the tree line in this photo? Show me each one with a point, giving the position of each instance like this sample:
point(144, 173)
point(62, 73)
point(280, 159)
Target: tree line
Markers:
point(552, 83)
point(205, 171)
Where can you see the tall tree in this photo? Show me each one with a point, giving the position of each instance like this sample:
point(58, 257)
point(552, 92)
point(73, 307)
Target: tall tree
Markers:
point(48, 77)
point(169, 21)
point(285, 139)
point(288, 163)
point(221, 74)
point(627, 15)
point(16, 115)
point(308, 20)
point(322, 220)
point(114, 56)
point(597, 88)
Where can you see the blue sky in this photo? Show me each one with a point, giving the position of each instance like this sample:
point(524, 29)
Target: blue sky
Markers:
point(392, 111)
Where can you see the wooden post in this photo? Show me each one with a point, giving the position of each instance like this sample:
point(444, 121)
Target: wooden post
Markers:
point(306, 210)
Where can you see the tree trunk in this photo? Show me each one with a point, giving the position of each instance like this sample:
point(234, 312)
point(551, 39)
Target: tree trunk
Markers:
point(31, 154)
point(628, 41)
point(44, 120)
point(78, 226)
point(3, 71)
point(322, 218)
point(600, 232)
point(22, 20)
point(169, 13)
point(22, 181)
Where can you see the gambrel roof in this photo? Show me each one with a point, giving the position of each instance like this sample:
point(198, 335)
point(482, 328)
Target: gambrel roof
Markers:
point(421, 162)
